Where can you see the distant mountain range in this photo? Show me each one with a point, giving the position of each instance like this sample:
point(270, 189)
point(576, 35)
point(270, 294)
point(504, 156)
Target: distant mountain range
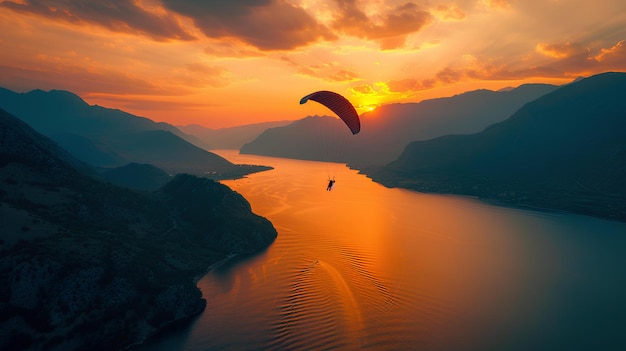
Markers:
point(387, 130)
point(84, 262)
point(565, 150)
point(312, 138)
point(228, 138)
point(105, 137)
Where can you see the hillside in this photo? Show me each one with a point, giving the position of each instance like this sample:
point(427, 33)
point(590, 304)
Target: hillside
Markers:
point(311, 138)
point(87, 265)
point(566, 151)
point(387, 130)
point(137, 176)
point(105, 137)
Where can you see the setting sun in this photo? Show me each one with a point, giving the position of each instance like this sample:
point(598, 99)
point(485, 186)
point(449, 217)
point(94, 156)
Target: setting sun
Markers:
point(366, 108)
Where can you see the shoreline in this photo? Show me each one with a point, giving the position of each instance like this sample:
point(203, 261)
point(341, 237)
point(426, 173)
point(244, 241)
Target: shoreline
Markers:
point(180, 322)
point(183, 322)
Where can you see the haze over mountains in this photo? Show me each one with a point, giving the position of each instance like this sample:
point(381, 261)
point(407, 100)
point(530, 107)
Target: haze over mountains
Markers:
point(387, 130)
point(85, 264)
point(229, 138)
point(565, 150)
point(105, 137)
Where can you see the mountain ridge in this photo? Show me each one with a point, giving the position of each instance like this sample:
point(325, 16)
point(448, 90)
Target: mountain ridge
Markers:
point(106, 137)
point(388, 129)
point(565, 151)
point(85, 263)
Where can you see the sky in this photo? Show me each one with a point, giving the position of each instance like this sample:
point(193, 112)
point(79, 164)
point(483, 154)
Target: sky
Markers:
point(228, 63)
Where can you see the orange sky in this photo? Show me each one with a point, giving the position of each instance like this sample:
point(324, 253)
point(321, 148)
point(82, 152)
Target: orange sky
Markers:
point(227, 63)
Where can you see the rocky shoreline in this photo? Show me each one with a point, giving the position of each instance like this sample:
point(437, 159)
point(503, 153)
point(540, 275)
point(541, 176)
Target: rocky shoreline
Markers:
point(87, 265)
point(110, 290)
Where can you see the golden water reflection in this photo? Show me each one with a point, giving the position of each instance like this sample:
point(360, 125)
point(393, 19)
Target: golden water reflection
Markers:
point(363, 267)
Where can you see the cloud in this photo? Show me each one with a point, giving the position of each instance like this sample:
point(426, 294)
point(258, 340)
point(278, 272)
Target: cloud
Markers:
point(264, 24)
point(570, 61)
point(613, 58)
point(343, 76)
point(331, 72)
point(364, 89)
point(390, 29)
point(562, 50)
point(230, 50)
point(576, 59)
point(82, 80)
point(496, 4)
point(449, 13)
point(116, 15)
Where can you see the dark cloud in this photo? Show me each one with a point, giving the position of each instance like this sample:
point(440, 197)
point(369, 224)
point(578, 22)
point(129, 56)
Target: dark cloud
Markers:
point(265, 24)
point(390, 30)
point(116, 15)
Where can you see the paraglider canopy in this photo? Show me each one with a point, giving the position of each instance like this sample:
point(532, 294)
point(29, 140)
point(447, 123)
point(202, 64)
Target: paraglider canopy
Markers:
point(339, 105)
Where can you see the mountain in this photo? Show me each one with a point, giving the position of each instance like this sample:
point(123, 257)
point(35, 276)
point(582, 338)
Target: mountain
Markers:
point(59, 111)
point(137, 176)
point(105, 137)
point(387, 130)
point(228, 138)
point(85, 264)
point(565, 150)
point(311, 138)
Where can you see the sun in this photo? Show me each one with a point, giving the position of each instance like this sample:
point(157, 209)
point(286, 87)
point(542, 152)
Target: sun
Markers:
point(366, 107)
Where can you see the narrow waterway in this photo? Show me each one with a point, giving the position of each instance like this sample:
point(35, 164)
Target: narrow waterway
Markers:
point(364, 267)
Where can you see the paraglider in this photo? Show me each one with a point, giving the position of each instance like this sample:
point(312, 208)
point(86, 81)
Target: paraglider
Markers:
point(331, 182)
point(339, 105)
point(342, 108)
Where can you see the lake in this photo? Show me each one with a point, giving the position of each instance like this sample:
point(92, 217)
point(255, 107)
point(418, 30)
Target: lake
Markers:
point(364, 267)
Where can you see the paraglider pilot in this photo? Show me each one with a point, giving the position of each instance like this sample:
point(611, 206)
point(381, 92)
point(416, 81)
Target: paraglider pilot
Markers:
point(331, 182)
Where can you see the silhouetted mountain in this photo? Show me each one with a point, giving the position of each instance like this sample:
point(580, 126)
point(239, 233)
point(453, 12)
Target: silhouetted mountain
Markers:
point(87, 265)
point(20, 143)
point(311, 138)
point(565, 150)
point(229, 138)
point(59, 111)
point(387, 130)
point(97, 153)
point(137, 176)
point(110, 138)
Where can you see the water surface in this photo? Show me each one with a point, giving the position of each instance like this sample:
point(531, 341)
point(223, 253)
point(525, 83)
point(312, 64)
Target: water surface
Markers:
point(364, 267)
